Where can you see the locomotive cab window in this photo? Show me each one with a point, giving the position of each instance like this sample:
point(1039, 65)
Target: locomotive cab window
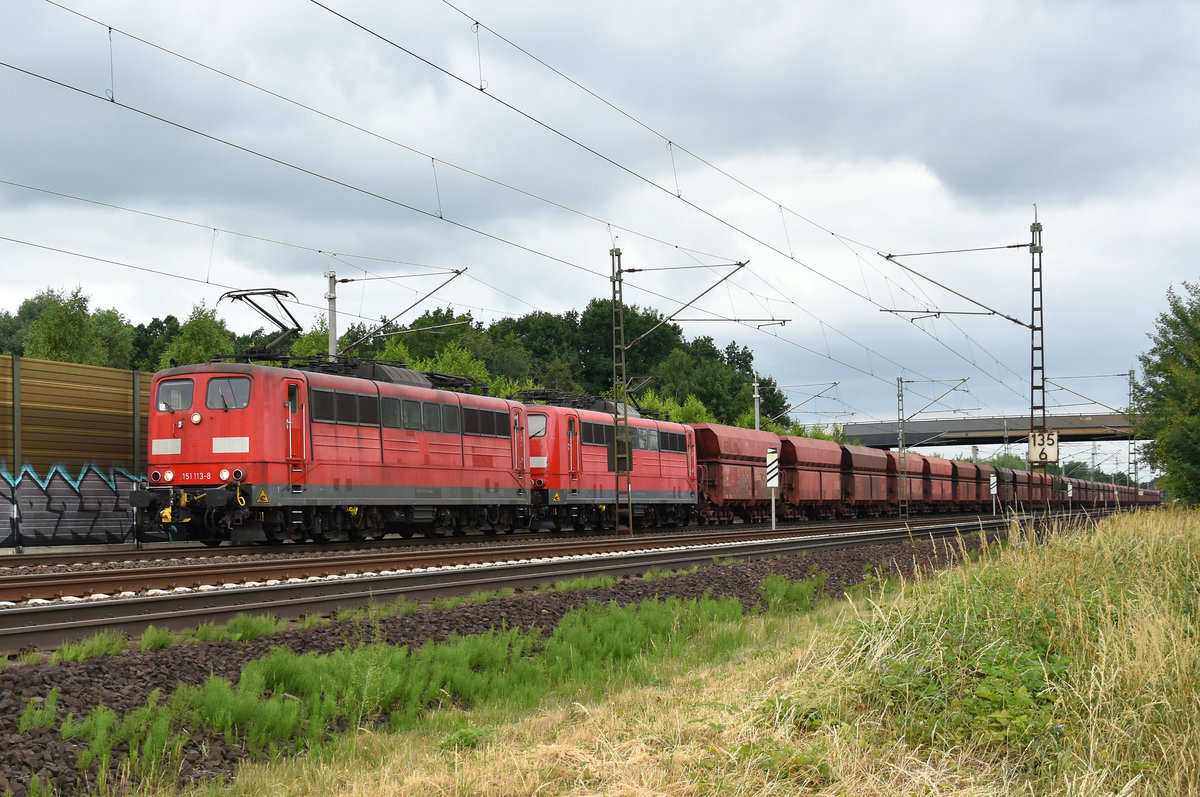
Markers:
point(537, 425)
point(174, 395)
point(228, 393)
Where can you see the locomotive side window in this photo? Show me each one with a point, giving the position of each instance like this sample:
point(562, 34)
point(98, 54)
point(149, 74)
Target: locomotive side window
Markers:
point(450, 419)
point(412, 414)
point(174, 395)
point(432, 414)
point(672, 441)
point(537, 425)
point(390, 409)
point(598, 434)
point(487, 423)
point(228, 393)
point(347, 407)
point(368, 410)
point(323, 407)
point(645, 439)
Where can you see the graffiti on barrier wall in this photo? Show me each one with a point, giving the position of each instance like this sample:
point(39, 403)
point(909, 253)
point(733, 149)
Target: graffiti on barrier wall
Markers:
point(60, 509)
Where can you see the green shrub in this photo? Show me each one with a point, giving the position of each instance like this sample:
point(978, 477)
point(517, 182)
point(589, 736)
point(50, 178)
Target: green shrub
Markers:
point(105, 643)
point(154, 638)
point(38, 713)
point(779, 593)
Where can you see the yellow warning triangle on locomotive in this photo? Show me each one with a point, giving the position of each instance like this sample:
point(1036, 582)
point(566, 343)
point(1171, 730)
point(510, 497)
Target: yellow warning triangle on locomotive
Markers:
point(262, 497)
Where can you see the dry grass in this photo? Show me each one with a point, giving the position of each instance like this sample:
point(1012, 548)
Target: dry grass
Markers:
point(711, 730)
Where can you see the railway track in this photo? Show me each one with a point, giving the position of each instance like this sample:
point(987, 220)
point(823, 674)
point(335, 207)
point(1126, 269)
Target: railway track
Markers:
point(45, 626)
point(53, 608)
point(85, 557)
point(100, 574)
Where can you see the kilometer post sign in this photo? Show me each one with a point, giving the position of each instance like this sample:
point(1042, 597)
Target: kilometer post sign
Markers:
point(1043, 448)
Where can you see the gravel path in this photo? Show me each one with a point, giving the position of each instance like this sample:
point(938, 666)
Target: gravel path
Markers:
point(125, 681)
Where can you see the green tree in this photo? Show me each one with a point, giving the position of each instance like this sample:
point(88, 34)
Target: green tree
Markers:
point(66, 331)
point(1166, 401)
point(1009, 461)
point(313, 342)
point(694, 411)
point(14, 327)
point(201, 337)
point(551, 342)
point(645, 349)
point(117, 335)
point(454, 360)
point(151, 340)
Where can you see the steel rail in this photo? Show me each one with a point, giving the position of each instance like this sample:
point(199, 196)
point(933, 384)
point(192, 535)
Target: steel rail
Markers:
point(49, 626)
point(22, 587)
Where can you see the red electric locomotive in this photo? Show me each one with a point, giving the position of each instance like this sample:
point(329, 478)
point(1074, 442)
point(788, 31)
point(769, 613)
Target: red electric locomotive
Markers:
point(256, 452)
point(573, 468)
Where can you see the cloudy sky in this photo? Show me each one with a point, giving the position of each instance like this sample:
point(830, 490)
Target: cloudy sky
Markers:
point(159, 154)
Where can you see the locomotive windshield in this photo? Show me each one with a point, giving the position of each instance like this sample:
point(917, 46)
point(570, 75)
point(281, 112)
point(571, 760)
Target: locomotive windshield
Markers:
point(174, 395)
point(228, 393)
point(537, 425)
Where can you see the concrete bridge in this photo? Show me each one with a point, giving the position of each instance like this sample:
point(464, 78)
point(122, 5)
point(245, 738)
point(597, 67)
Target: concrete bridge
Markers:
point(982, 431)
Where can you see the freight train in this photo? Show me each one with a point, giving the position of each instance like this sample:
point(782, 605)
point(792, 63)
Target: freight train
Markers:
point(360, 450)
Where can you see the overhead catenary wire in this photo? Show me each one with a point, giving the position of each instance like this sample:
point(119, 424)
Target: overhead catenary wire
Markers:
point(418, 210)
point(672, 145)
point(338, 182)
point(844, 239)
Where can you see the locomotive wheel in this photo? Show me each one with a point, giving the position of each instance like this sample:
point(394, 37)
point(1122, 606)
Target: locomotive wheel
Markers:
point(443, 524)
point(210, 538)
point(318, 529)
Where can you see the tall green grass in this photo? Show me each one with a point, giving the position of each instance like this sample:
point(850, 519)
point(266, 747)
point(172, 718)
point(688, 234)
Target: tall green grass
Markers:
point(287, 703)
point(1074, 663)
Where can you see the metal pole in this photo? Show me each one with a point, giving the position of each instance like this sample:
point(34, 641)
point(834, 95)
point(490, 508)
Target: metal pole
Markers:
point(622, 450)
point(756, 411)
point(14, 523)
point(901, 471)
point(17, 453)
point(331, 295)
point(1037, 349)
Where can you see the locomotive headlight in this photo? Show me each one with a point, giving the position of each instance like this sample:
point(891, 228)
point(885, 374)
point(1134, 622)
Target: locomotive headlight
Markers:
point(195, 417)
point(224, 474)
point(169, 476)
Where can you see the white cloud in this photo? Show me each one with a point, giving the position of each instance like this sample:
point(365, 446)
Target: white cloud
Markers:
point(905, 128)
